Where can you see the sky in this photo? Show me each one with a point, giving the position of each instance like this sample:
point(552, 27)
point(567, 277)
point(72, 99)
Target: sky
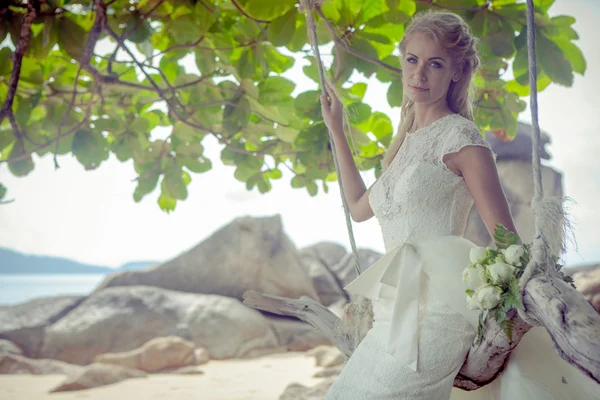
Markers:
point(91, 217)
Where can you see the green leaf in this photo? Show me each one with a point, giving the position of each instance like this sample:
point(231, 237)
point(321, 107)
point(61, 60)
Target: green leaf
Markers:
point(236, 117)
point(184, 29)
point(173, 183)
point(71, 37)
point(395, 94)
point(282, 29)
point(166, 203)
point(2, 191)
point(573, 54)
point(312, 188)
point(198, 165)
point(5, 61)
point(137, 31)
point(554, 62)
point(268, 9)
point(145, 185)
point(23, 166)
point(89, 148)
point(275, 89)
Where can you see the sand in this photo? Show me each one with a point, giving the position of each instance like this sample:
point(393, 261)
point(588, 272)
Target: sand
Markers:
point(262, 378)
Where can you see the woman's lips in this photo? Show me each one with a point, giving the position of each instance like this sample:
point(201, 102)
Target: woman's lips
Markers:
point(417, 89)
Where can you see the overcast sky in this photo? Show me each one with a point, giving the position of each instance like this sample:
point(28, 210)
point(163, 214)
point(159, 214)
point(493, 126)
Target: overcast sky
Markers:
point(90, 216)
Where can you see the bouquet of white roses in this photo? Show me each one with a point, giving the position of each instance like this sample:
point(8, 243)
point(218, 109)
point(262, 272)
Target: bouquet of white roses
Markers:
point(492, 278)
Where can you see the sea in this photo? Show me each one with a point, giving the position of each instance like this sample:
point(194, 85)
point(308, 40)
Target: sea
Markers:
point(15, 289)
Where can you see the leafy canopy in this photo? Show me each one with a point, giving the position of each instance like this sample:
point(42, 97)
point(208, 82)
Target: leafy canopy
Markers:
point(63, 95)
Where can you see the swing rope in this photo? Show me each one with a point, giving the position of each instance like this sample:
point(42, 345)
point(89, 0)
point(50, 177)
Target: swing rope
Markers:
point(308, 6)
point(552, 224)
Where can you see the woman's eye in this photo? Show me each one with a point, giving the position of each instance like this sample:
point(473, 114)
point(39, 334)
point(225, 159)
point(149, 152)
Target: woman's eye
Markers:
point(436, 65)
point(411, 60)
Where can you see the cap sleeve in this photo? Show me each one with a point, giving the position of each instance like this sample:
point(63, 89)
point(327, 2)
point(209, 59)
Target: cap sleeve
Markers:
point(467, 134)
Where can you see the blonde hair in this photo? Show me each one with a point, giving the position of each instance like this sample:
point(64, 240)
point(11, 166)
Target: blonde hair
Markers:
point(452, 33)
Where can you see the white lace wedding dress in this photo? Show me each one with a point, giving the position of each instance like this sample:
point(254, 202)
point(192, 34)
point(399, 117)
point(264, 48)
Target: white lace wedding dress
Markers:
point(422, 329)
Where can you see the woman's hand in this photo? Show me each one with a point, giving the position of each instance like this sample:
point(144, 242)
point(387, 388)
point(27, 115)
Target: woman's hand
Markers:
point(331, 107)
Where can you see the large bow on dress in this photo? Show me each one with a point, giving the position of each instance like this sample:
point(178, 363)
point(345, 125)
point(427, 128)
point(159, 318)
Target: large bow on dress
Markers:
point(442, 259)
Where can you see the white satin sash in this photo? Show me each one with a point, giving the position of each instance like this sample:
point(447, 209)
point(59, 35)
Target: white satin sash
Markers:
point(442, 258)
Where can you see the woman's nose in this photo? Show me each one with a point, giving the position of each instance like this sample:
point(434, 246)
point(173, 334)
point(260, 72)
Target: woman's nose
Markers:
point(420, 74)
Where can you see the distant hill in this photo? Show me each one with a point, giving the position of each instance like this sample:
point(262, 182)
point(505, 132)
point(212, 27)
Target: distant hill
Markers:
point(14, 262)
point(131, 266)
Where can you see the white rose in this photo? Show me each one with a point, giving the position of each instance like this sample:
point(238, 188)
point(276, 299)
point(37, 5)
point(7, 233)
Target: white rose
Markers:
point(513, 254)
point(472, 302)
point(501, 272)
point(474, 276)
point(488, 297)
point(477, 254)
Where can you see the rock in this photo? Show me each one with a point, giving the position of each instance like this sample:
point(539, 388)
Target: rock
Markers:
point(189, 370)
point(155, 355)
point(325, 282)
point(331, 268)
point(248, 254)
point(95, 375)
point(124, 318)
point(17, 364)
point(201, 356)
point(297, 335)
point(330, 371)
point(587, 281)
point(344, 269)
point(517, 182)
point(327, 356)
point(520, 147)
point(296, 391)
point(8, 347)
point(24, 324)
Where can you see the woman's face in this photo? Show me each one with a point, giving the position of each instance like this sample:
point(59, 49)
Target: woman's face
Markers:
point(427, 70)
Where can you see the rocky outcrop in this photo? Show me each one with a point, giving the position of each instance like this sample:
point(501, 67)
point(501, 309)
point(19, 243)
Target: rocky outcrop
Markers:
point(247, 254)
point(331, 268)
point(587, 281)
point(17, 364)
point(24, 324)
point(124, 318)
point(8, 347)
point(296, 391)
point(95, 375)
point(517, 181)
point(155, 355)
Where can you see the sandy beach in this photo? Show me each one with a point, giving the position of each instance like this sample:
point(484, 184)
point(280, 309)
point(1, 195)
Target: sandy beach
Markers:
point(262, 378)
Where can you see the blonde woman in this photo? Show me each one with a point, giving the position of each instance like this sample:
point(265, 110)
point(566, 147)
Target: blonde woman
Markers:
point(437, 166)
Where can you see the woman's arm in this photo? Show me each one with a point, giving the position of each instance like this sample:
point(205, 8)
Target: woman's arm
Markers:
point(357, 195)
point(478, 168)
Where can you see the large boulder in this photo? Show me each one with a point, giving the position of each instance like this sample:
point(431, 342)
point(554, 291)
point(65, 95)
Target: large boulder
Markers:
point(517, 181)
point(124, 318)
point(247, 254)
point(24, 324)
point(294, 335)
point(331, 268)
point(17, 364)
point(155, 355)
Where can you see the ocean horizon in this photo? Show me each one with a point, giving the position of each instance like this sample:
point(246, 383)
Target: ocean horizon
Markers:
point(19, 288)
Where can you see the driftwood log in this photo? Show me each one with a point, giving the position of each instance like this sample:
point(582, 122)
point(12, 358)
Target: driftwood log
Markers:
point(571, 321)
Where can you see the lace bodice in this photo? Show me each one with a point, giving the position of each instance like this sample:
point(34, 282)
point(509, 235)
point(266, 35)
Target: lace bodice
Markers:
point(418, 194)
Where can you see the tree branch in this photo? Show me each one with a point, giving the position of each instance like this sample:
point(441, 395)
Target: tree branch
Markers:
point(22, 45)
point(350, 50)
point(240, 9)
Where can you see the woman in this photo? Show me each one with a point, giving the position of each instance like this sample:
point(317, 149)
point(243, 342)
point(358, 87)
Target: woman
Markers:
point(435, 169)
